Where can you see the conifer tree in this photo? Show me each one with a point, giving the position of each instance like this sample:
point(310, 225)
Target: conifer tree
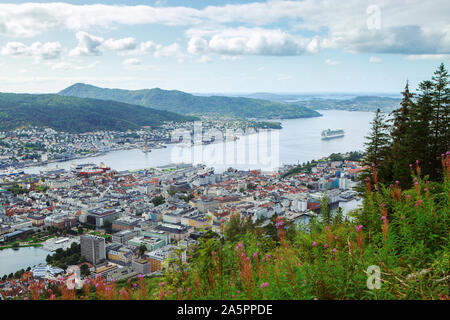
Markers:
point(399, 155)
point(420, 130)
point(440, 119)
point(377, 144)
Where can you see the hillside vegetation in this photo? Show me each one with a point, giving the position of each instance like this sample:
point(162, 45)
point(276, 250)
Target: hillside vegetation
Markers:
point(185, 103)
point(72, 114)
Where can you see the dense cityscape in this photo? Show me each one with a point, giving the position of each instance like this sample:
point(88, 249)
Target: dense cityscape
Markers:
point(135, 220)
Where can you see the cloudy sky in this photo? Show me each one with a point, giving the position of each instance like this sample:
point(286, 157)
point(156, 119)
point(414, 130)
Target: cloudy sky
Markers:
point(222, 45)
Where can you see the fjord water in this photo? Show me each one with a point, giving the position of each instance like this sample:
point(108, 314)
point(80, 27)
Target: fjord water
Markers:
point(299, 141)
point(12, 260)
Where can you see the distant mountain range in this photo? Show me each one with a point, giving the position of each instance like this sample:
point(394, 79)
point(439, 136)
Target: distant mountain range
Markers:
point(72, 114)
point(188, 104)
point(344, 101)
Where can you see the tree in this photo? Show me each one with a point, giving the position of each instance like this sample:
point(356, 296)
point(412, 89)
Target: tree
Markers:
point(325, 210)
point(107, 225)
point(420, 136)
point(142, 249)
point(399, 155)
point(236, 227)
point(440, 137)
point(378, 139)
point(84, 270)
point(335, 157)
point(251, 186)
point(158, 200)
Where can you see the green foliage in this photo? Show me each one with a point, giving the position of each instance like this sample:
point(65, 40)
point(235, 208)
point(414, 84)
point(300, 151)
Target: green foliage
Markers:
point(185, 103)
point(419, 132)
point(63, 258)
point(72, 114)
point(158, 200)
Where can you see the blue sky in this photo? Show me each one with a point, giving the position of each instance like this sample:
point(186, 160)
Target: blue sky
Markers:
point(223, 46)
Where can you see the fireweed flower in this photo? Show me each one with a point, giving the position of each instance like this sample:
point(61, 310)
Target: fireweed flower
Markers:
point(255, 254)
point(267, 256)
point(334, 250)
point(314, 244)
point(325, 245)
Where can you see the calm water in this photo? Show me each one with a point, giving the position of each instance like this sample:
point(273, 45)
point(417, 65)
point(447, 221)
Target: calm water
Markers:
point(299, 141)
point(13, 260)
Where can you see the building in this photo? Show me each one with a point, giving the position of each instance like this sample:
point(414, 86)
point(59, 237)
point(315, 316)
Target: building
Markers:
point(97, 217)
point(93, 249)
point(151, 243)
point(141, 266)
point(125, 223)
point(158, 258)
point(37, 220)
point(124, 236)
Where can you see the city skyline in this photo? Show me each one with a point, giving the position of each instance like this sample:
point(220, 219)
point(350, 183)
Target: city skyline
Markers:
point(222, 46)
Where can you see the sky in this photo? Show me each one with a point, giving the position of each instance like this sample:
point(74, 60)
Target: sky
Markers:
point(219, 46)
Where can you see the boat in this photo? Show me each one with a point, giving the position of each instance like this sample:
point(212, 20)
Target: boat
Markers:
point(330, 134)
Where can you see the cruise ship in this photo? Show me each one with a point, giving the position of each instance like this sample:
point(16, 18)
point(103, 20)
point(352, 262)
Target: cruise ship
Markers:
point(330, 134)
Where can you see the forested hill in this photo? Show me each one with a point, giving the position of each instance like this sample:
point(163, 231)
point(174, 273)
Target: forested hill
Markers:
point(185, 103)
point(72, 114)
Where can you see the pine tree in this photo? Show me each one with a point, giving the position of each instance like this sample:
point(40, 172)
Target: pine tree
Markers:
point(377, 145)
point(440, 119)
point(397, 166)
point(420, 130)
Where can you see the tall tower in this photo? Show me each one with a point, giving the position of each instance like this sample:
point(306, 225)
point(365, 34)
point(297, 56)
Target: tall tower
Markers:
point(93, 248)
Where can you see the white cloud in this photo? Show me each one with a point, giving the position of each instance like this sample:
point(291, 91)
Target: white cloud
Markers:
point(172, 50)
point(413, 27)
point(46, 51)
point(205, 59)
point(375, 60)
point(428, 57)
point(64, 65)
point(246, 41)
point(120, 44)
point(331, 62)
point(90, 45)
point(132, 62)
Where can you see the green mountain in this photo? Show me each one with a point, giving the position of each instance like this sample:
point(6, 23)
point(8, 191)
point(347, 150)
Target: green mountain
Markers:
point(72, 114)
point(362, 103)
point(185, 103)
point(334, 102)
